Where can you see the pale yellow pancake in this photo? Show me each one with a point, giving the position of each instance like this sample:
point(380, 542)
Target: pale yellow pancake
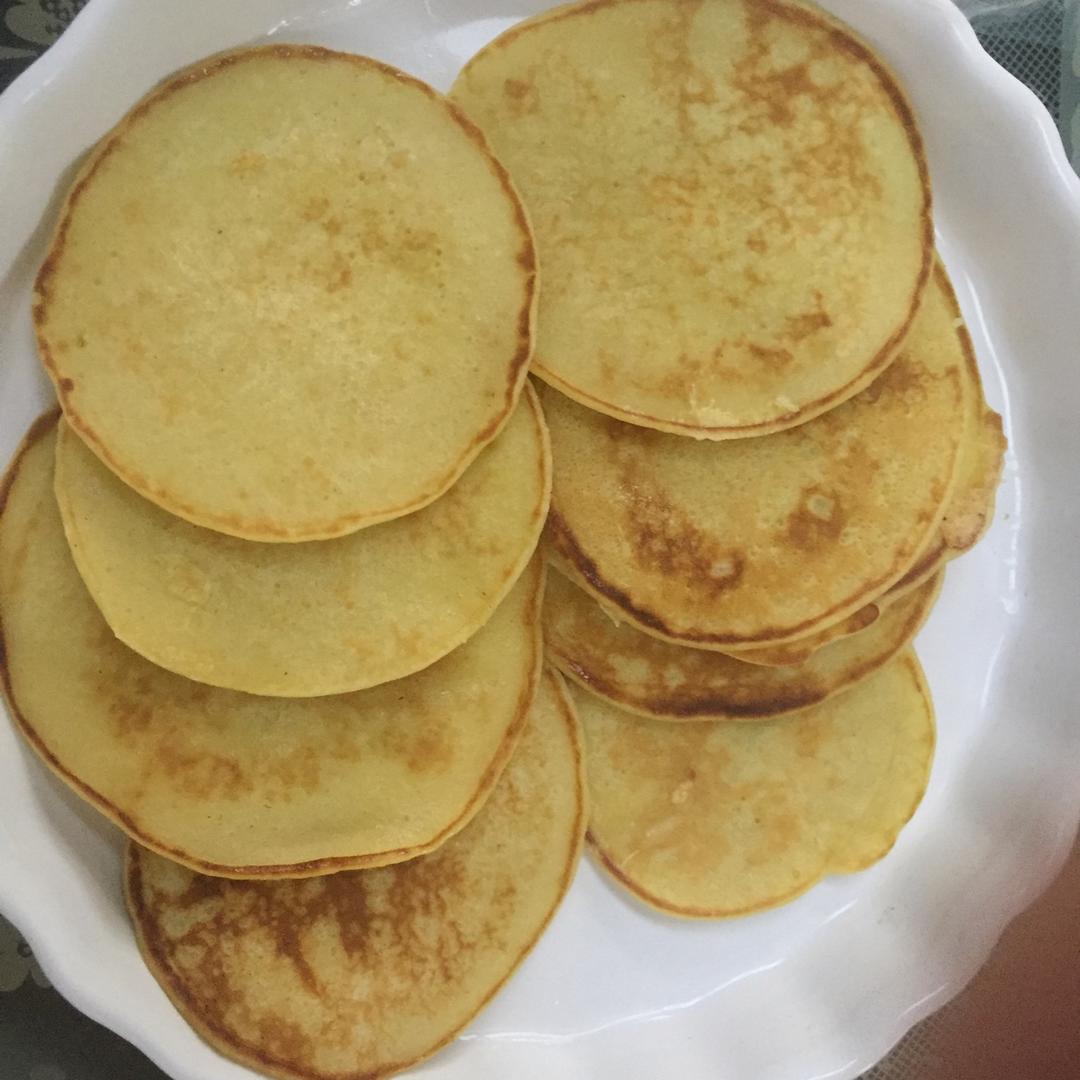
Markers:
point(762, 541)
point(731, 206)
point(239, 785)
point(322, 617)
point(671, 682)
point(364, 973)
point(290, 295)
point(715, 820)
point(967, 517)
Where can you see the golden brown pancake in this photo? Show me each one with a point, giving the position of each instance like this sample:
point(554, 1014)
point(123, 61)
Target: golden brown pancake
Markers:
point(715, 820)
point(364, 973)
point(762, 541)
point(322, 617)
point(968, 516)
point(290, 295)
point(731, 206)
point(662, 681)
point(238, 785)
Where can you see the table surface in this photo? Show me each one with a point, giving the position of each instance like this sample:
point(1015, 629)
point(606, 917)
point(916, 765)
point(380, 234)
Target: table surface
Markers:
point(1017, 1020)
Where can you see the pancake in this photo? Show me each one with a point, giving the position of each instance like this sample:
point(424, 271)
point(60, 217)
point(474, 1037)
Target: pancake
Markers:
point(315, 618)
point(762, 541)
point(279, 268)
point(967, 517)
point(239, 785)
point(365, 973)
point(670, 682)
point(716, 820)
point(735, 229)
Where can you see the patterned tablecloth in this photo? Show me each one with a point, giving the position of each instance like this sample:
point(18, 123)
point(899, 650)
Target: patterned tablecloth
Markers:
point(44, 1038)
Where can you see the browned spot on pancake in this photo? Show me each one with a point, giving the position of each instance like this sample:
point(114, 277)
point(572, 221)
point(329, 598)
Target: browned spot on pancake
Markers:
point(688, 369)
point(671, 190)
point(430, 752)
point(663, 539)
point(131, 709)
point(818, 520)
point(289, 945)
point(199, 888)
point(67, 385)
point(800, 327)
point(285, 1039)
point(297, 770)
point(674, 73)
point(810, 739)
point(332, 226)
point(419, 240)
point(130, 718)
point(796, 80)
point(200, 773)
point(315, 208)
point(340, 274)
point(247, 162)
point(776, 91)
point(171, 407)
point(834, 168)
point(771, 357)
point(608, 372)
point(757, 241)
point(565, 543)
point(198, 693)
point(522, 95)
point(903, 378)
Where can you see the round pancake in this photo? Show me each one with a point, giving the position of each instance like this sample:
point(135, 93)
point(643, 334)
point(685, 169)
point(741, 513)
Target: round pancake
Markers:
point(762, 541)
point(670, 682)
point(365, 973)
point(716, 820)
point(290, 295)
point(967, 517)
point(239, 785)
point(735, 229)
point(323, 617)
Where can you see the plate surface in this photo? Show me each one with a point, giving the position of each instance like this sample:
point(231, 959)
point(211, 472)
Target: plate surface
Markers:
point(822, 987)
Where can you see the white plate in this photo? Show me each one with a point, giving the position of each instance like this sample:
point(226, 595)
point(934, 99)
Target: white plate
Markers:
point(822, 987)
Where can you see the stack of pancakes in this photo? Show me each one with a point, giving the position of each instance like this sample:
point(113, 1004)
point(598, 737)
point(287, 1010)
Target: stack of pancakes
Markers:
point(268, 587)
point(270, 593)
point(767, 426)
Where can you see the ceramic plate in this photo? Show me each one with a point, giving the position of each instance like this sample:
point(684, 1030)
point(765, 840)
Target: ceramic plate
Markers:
point(823, 987)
